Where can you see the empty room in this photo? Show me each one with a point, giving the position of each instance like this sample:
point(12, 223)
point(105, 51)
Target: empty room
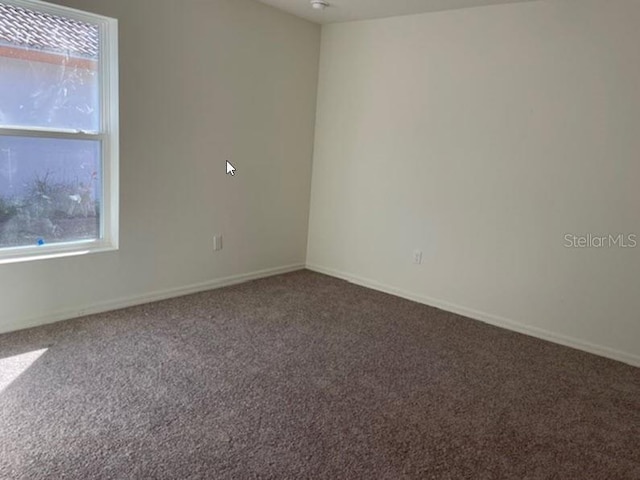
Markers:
point(309, 239)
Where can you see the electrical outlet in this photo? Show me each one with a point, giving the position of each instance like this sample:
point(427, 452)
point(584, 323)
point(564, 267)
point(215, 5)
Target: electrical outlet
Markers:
point(217, 243)
point(417, 257)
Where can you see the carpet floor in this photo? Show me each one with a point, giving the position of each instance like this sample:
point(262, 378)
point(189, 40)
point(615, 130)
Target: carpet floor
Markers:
point(304, 376)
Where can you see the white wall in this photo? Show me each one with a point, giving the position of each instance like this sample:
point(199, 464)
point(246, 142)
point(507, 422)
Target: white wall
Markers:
point(201, 82)
point(483, 136)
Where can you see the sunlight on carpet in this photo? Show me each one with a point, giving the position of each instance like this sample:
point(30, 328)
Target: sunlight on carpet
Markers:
point(12, 367)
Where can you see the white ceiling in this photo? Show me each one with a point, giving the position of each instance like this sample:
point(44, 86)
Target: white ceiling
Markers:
point(348, 10)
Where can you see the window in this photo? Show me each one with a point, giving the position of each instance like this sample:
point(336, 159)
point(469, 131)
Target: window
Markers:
point(58, 131)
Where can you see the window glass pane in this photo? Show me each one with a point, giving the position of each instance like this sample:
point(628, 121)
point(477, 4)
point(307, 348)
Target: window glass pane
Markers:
point(49, 190)
point(48, 71)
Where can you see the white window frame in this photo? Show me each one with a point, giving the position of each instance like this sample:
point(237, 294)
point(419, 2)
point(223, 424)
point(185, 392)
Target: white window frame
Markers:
point(108, 135)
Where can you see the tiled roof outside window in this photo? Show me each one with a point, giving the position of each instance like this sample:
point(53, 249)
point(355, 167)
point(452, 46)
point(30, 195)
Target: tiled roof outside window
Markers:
point(36, 30)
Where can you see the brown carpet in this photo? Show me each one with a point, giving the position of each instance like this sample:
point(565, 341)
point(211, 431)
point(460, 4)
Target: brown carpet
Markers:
point(304, 376)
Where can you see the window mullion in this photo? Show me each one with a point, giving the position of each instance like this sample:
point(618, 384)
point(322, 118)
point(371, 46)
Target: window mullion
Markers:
point(50, 133)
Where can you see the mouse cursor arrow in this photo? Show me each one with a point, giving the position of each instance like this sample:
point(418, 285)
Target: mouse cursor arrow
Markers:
point(231, 170)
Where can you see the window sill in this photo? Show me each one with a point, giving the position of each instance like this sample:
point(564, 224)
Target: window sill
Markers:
point(49, 252)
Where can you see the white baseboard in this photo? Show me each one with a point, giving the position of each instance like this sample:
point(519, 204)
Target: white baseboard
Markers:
point(146, 298)
point(495, 320)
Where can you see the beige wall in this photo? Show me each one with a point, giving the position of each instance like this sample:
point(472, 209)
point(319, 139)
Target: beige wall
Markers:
point(201, 82)
point(483, 136)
